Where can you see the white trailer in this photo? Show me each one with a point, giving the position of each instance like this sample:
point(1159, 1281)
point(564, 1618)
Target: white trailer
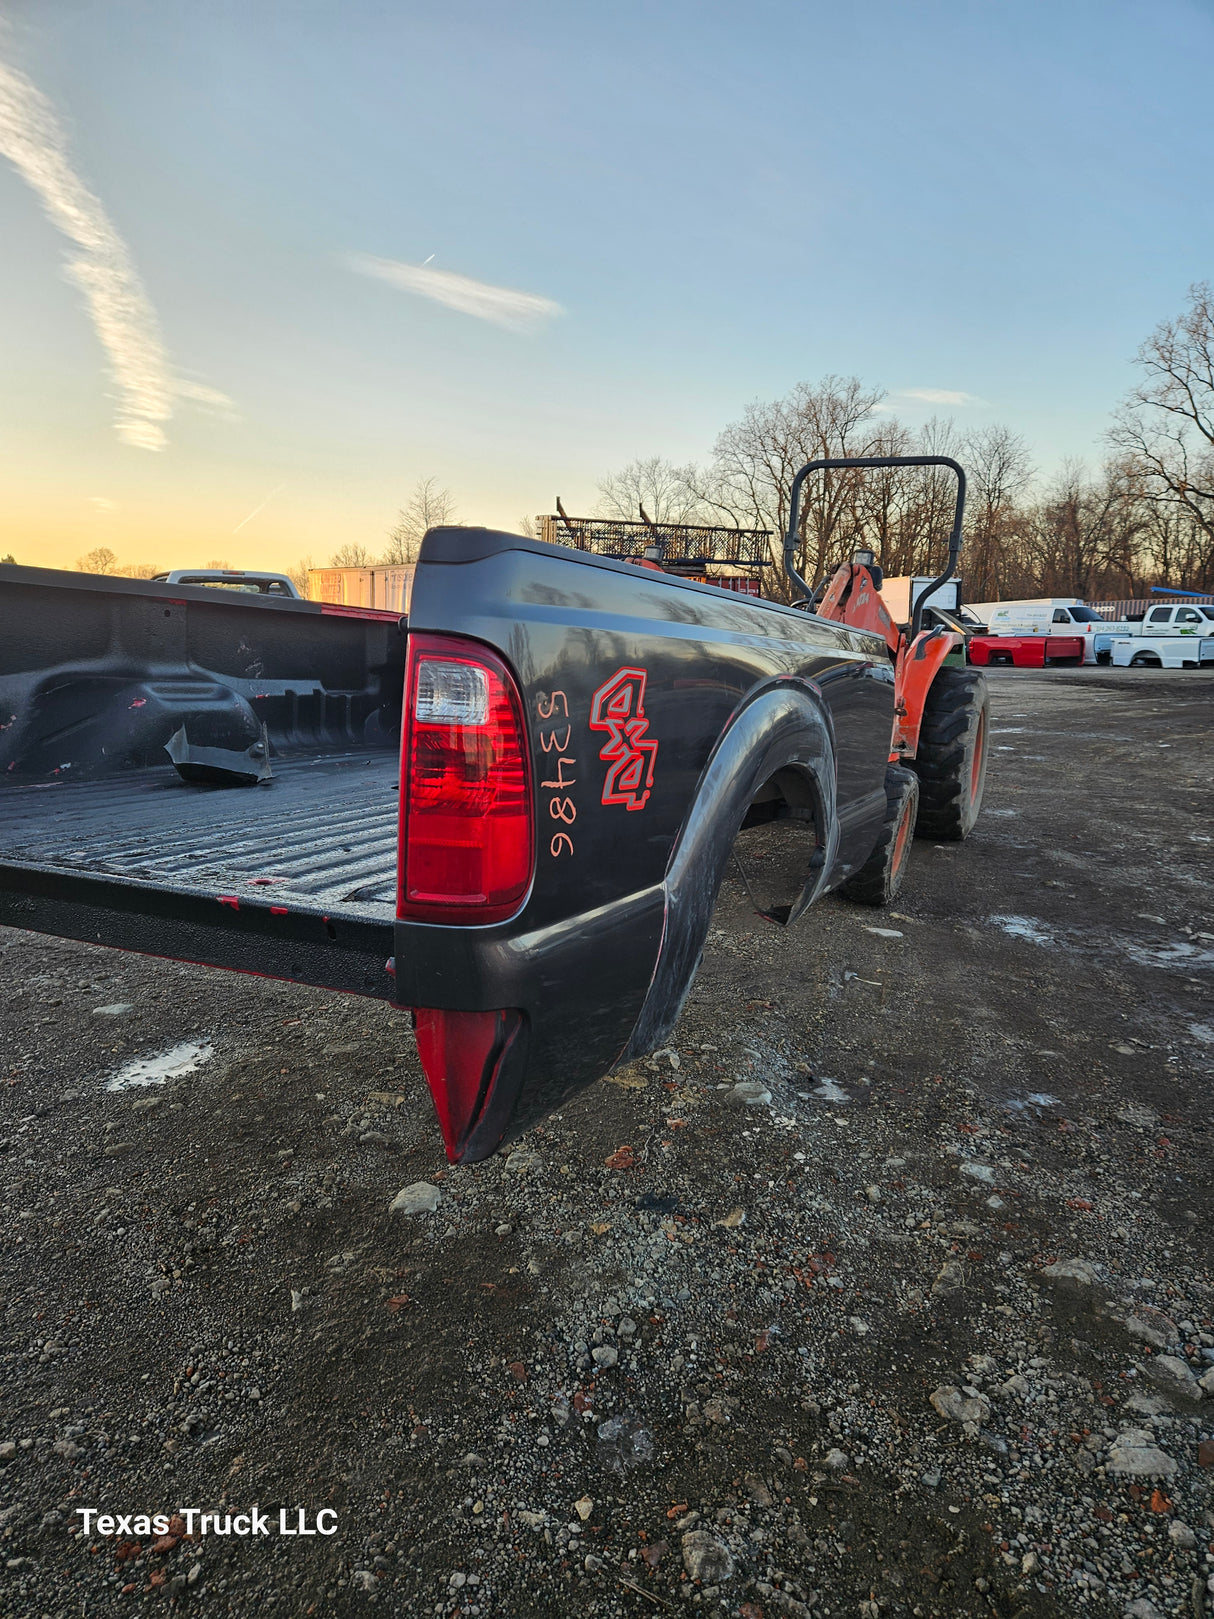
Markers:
point(384, 586)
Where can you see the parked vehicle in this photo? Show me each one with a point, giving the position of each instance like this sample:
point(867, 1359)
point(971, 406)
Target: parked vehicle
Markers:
point(1053, 616)
point(1172, 622)
point(261, 584)
point(1187, 618)
point(1044, 617)
point(510, 814)
point(1161, 652)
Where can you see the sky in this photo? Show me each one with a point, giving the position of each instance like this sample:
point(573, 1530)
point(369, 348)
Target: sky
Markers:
point(266, 266)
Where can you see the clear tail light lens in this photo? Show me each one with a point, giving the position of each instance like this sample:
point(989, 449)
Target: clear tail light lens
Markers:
point(466, 835)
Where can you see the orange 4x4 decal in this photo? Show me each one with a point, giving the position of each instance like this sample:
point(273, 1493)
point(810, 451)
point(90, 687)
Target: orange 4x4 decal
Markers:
point(618, 707)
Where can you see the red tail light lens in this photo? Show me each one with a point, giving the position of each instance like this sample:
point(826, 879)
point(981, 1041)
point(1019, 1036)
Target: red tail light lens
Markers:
point(460, 1053)
point(466, 841)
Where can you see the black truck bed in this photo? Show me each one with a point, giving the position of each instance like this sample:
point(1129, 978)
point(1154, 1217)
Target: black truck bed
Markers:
point(321, 835)
point(101, 839)
point(295, 878)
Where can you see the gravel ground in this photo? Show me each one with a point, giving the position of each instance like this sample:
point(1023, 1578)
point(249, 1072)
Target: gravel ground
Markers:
point(886, 1290)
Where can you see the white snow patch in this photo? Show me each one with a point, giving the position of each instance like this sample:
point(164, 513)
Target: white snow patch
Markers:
point(172, 1064)
point(1023, 927)
point(1169, 954)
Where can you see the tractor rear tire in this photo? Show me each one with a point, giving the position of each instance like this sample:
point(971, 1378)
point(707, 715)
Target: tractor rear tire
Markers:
point(951, 761)
point(880, 877)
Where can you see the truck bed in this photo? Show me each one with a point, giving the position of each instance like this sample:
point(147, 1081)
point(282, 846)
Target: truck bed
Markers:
point(258, 878)
point(321, 835)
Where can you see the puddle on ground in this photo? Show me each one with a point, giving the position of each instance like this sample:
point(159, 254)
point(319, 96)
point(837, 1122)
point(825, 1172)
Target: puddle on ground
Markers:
point(1023, 927)
point(165, 1065)
point(1035, 1099)
point(829, 1090)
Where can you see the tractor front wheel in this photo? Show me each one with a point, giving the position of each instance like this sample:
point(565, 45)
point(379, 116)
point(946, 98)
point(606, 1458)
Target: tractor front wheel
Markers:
point(880, 877)
point(951, 761)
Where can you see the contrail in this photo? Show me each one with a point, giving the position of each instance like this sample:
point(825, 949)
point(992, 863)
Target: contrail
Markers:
point(520, 311)
point(123, 318)
point(426, 261)
point(275, 491)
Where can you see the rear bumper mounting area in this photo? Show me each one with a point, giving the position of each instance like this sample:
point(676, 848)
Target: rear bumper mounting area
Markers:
point(329, 950)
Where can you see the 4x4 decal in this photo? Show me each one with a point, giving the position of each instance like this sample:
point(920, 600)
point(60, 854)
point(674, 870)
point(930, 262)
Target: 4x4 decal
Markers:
point(618, 707)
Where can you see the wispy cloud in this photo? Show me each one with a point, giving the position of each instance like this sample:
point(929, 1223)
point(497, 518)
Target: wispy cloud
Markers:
point(518, 311)
point(103, 504)
point(122, 315)
point(940, 396)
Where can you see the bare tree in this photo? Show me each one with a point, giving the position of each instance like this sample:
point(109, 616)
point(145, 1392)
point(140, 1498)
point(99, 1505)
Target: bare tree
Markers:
point(102, 560)
point(219, 563)
point(139, 570)
point(351, 556)
point(527, 528)
point(757, 458)
point(298, 575)
point(667, 492)
point(9, 558)
point(1083, 536)
point(999, 473)
point(429, 506)
point(1165, 428)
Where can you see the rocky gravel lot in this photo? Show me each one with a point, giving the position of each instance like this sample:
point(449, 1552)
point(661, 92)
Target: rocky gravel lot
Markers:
point(885, 1290)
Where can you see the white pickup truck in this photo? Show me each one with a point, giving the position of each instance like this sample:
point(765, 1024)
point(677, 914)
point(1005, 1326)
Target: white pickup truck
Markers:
point(1177, 637)
point(1182, 618)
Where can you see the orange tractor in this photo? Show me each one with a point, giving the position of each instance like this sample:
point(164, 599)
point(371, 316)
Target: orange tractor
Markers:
point(941, 706)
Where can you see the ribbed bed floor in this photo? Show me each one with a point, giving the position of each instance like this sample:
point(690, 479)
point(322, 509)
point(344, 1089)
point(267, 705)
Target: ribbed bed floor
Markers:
point(321, 834)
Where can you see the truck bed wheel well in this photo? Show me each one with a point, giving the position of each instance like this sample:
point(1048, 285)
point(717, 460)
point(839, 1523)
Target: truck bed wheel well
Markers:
point(781, 737)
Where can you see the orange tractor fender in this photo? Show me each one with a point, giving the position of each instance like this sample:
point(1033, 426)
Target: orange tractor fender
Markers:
point(916, 666)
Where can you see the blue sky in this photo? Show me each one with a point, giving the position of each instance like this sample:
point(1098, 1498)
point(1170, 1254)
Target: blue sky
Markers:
point(997, 201)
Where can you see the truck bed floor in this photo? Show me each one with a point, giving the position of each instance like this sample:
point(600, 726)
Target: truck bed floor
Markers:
point(320, 836)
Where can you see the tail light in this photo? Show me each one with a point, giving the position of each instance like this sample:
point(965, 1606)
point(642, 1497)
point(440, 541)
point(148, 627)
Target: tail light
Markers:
point(466, 838)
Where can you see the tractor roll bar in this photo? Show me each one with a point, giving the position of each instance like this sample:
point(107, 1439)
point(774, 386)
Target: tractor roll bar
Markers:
point(954, 539)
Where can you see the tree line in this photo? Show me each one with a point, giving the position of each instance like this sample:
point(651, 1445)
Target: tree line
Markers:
point(1145, 517)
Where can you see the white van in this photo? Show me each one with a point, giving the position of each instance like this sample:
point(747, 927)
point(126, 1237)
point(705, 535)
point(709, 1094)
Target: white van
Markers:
point(1060, 615)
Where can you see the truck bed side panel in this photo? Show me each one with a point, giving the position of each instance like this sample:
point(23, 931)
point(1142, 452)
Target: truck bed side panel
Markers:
point(685, 661)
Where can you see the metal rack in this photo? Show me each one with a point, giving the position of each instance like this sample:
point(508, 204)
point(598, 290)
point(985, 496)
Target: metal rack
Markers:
point(686, 548)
